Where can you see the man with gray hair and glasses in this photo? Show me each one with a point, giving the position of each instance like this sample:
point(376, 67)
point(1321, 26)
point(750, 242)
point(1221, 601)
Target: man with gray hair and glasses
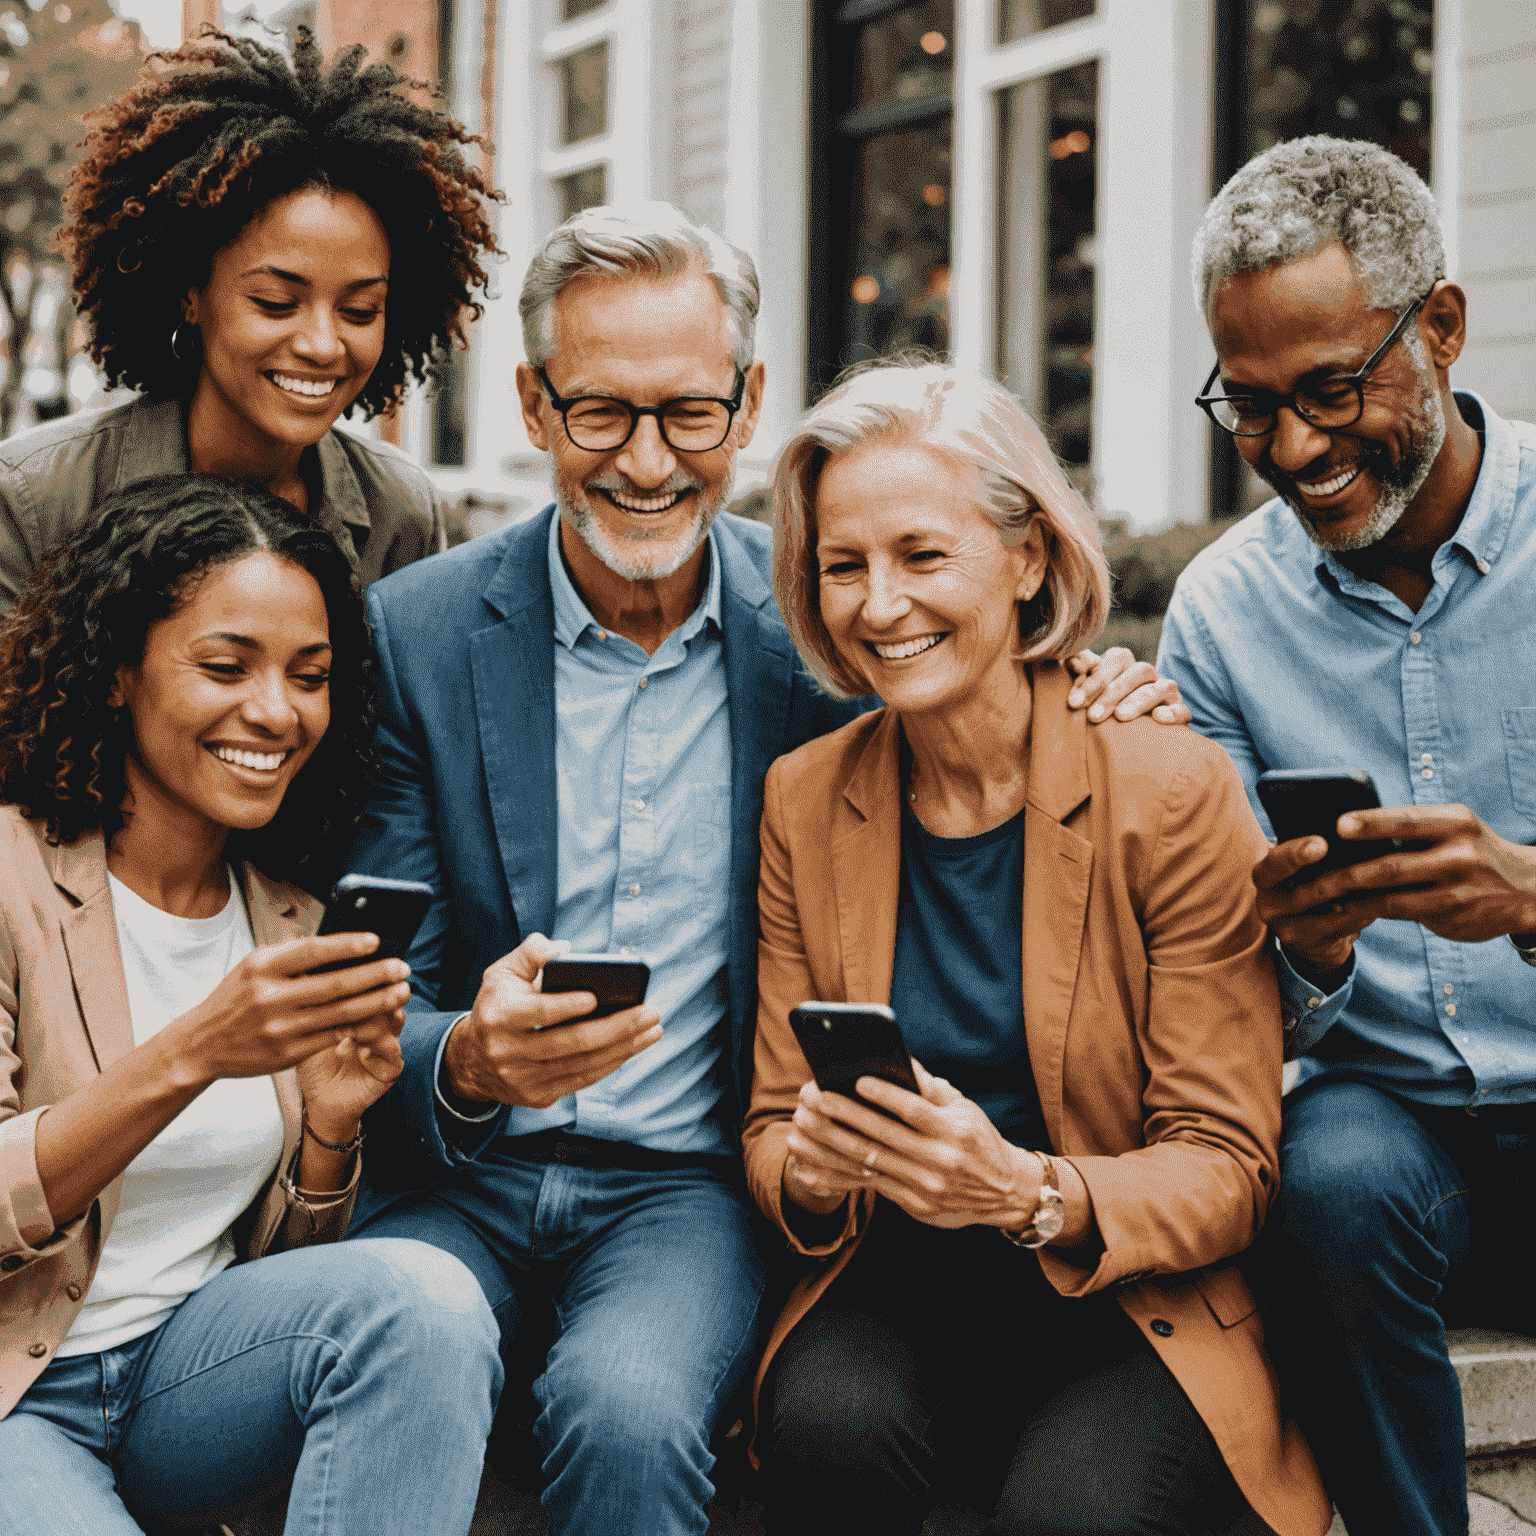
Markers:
point(576, 718)
point(1378, 614)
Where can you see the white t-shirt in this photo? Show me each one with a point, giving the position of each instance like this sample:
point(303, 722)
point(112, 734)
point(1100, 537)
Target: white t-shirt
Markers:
point(183, 1191)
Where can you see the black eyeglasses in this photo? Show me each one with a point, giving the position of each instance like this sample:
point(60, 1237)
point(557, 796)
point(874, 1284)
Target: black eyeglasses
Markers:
point(1331, 403)
point(689, 424)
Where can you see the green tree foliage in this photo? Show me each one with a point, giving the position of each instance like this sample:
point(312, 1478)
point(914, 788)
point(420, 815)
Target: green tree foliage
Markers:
point(58, 60)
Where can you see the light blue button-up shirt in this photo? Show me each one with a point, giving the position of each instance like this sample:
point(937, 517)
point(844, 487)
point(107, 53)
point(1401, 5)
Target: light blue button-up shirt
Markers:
point(643, 774)
point(1291, 661)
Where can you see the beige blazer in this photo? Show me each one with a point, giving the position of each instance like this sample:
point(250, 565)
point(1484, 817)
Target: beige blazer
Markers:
point(64, 1018)
point(1151, 1016)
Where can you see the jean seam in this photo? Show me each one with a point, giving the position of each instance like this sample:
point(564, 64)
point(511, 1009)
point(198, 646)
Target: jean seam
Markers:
point(1454, 1194)
point(246, 1349)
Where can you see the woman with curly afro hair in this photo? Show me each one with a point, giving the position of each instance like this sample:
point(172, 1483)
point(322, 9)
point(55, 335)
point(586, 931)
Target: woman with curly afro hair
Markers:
point(257, 246)
point(184, 712)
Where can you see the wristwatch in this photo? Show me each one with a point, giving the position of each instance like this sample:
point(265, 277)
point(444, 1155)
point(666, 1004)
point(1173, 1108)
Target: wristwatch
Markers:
point(1528, 955)
point(1050, 1214)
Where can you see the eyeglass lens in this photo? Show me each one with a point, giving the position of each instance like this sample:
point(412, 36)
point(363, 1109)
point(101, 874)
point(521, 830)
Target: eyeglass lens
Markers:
point(694, 426)
point(1324, 405)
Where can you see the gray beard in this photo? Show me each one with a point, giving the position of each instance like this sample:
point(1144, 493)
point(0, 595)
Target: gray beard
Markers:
point(1400, 482)
point(577, 510)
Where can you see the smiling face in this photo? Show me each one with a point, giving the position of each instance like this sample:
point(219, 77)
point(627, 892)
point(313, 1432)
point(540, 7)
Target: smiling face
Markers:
point(641, 510)
point(231, 697)
point(917, 589)
point(1303, 321)
point(292, 319)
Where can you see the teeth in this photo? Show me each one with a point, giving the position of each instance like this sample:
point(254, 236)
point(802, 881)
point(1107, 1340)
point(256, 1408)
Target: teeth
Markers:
point(1331, 486)
point(268, 762)
point(904, 648)
point(295, 386)
point(646, 503)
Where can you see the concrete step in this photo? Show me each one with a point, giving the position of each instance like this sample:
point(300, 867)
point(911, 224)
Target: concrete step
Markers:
point(1498, 1389)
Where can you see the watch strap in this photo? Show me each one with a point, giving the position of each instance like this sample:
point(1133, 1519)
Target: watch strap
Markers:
point(1050, 1210)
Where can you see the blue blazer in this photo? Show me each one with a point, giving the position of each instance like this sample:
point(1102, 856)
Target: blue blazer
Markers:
point(465, 793)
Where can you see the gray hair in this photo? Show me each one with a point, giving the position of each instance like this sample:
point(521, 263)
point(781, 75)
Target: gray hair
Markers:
point(1306, 193)
point(641, 240)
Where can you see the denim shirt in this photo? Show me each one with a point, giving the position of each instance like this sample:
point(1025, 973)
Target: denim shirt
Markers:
point(643, 773)
point(1289, 660)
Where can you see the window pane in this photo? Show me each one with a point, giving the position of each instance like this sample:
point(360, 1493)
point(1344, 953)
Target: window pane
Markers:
point(584, 91)
point(1360, 71)
point(571, 9)
point(582, 189)
point(1046, 224)
point(898, 290)
point(1023, 18)
point(906, 56)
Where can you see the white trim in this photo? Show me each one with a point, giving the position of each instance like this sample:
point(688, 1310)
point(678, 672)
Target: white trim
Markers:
point(1445, 137)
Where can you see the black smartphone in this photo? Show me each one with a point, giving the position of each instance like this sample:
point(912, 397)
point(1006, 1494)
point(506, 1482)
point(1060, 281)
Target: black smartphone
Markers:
point(393, 909)
point(616, 981)
point(1307, 802)
point(846, 1041)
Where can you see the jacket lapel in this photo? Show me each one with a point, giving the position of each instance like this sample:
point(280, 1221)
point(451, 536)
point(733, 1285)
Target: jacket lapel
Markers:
point(90, 941)
point(866, 867)
point(1058, 870)
point(513, 667)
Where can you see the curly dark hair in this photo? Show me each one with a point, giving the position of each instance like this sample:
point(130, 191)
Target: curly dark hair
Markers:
point(179, 165)
point(87, 610)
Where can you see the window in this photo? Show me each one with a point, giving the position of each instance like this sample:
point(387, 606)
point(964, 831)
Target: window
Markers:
point(1291, 67)
point(581, 189)
point(584, 93)
point(1047, 132)
point(1023, 18)
point(571, 9)
point(880, 191)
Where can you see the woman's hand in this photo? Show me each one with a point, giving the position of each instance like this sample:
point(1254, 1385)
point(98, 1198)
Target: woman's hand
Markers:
point(941, 1159)
point(268, 1014)
point(342, 1080)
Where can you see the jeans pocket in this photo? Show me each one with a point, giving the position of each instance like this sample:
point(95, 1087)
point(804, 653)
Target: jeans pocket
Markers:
point(1520, 749)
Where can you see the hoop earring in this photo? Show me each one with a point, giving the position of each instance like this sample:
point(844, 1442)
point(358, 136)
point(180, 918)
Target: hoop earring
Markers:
point(175, 334)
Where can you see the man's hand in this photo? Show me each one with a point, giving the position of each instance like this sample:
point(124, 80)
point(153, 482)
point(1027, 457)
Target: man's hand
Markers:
point(1453, 874)
point(506, 1052)
point(1117, 681)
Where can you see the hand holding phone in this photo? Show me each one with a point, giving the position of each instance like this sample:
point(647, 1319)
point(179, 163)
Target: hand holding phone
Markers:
point(1307, 802)
point(393, 909)
point(846, 1041)
point(616, 981)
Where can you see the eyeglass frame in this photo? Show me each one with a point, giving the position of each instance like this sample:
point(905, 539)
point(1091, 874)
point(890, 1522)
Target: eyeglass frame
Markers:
point(1208, 402)
point(732, 405)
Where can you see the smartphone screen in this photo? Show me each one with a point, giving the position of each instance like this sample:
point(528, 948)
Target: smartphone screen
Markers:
point(846, 1041)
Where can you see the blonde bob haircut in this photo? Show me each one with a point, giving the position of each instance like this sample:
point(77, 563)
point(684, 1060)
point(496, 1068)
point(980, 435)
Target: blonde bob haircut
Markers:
point(983, 430)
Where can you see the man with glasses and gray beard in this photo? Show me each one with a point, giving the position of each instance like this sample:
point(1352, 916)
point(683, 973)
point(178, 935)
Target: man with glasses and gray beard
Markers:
point(576, 718)
point(1378, 614)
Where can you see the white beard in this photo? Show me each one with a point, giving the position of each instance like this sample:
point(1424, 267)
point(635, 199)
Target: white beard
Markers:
point(631, 559)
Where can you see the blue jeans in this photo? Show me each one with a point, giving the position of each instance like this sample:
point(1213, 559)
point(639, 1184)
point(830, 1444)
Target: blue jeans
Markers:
point(366, 1372)
point(1392, 1217)
point(655, 1279)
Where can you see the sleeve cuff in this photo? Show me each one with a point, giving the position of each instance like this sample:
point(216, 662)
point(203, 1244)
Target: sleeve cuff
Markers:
point(1307, 1014)
point(446, 1096)
point(461, 1137)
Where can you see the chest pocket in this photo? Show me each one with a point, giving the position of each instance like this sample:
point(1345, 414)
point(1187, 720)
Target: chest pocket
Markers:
point(1520, 749)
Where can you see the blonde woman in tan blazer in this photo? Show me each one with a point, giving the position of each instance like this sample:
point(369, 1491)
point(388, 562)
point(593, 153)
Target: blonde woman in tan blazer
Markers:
point(184, 725)
point(1104, 1093)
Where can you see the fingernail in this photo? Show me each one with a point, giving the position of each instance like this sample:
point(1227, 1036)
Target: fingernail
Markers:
point(1349, 823)
point(1075, 698)
point(1097, 712)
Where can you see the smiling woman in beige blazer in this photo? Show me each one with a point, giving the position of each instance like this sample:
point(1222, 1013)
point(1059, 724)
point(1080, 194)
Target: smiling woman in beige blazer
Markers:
point(1109, 1095)
point(184, 726)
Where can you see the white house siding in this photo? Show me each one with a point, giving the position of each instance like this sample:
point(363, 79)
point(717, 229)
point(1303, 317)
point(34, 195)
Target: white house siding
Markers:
point(1497, 202)
point(701, 40)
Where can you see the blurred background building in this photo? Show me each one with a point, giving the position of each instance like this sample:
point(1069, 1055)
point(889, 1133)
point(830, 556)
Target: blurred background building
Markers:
point(1014, 182)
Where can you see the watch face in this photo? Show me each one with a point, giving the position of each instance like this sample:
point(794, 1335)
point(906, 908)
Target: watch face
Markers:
point(1050, 1218)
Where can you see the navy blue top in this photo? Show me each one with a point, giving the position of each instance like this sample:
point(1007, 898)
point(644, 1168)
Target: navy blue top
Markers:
point(957, 986)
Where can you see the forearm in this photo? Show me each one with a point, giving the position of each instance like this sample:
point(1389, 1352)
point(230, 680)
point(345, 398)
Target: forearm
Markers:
point(89, 1137)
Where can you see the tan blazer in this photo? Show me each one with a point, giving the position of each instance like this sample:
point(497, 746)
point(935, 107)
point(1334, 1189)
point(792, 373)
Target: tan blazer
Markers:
point(64, 1018)
point(1151, 1015)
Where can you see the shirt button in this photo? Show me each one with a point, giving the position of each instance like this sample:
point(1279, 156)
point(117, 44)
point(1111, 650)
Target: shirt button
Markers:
point(644, 681)
point(1450, 991)
point(1482, 567)
point(1290, 1023)
point(1314, 1002)
point(37, 1351)
point(602, 634)
point(634, 890)
point(624, 949)
point(1450, 1008)
point(72, 1291)
point(1414, 638)
point(1428, 773)
point(1425, 760)
point(639, 805)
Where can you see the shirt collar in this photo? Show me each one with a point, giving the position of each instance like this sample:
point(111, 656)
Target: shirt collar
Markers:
point(1485, 524)
point(573, 618)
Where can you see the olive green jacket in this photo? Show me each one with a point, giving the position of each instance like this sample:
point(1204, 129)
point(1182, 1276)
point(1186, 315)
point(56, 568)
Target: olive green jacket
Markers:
point(377, 504)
